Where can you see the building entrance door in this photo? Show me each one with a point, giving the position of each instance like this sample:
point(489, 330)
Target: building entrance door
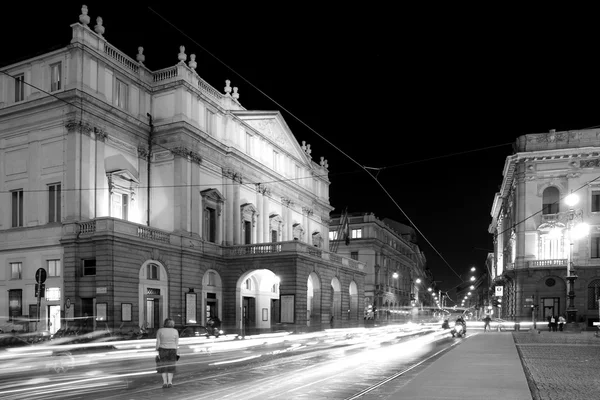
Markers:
point(53, 319)
point(152, 313)
point(249, 314)
point(551, 306)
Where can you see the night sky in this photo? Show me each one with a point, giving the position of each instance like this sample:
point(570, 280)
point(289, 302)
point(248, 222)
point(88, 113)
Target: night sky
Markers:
point(428, 100)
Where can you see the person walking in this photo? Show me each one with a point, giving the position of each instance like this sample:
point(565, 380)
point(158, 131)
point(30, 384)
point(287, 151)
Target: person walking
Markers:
point(561, 323)
point(167, 340)
point(487, 321)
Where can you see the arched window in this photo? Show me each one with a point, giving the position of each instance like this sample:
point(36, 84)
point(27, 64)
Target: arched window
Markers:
point(593, 294)
point(550, 200)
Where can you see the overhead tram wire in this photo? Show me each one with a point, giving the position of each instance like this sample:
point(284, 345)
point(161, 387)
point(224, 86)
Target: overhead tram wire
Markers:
point(312, 130)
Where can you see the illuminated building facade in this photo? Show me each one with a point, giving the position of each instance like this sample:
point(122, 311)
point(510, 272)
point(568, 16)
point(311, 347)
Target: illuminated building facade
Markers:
point(397, 277)
point(539, 259)
point(150, 194)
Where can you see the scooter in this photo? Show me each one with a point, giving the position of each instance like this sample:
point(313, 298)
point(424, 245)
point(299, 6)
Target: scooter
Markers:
point(458, 331)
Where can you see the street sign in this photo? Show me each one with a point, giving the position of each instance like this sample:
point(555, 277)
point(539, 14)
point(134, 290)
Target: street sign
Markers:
point(499, 291)
point(40, 275)
point(42, 290)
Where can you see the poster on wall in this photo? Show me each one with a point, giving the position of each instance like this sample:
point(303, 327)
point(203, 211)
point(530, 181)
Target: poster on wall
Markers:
point(287, 308)
point(101, 311)
point(126, 312)
point(190, 308)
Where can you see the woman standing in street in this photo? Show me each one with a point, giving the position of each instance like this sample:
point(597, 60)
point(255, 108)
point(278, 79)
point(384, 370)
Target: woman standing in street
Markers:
point(167, 340)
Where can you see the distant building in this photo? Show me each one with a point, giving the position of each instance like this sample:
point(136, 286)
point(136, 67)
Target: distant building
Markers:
point(538, 253)
point(397, 277)
point(150, 194)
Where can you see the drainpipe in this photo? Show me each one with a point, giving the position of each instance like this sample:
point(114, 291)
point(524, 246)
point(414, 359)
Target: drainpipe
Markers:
point(148, 162)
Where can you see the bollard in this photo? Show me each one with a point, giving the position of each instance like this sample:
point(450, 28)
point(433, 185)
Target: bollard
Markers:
point(517, 326)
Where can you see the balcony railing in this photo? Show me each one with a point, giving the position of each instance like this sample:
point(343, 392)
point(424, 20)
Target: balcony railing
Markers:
point(560, 262)
point(291, 247)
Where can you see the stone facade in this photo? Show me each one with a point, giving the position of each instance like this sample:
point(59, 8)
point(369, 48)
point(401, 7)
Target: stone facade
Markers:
point(148, 194)
point(536, 250)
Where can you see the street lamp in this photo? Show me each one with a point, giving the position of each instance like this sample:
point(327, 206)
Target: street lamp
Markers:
point(576, 229)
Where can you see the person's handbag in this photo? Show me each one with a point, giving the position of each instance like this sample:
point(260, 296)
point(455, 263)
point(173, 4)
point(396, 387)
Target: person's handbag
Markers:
point(178, 356)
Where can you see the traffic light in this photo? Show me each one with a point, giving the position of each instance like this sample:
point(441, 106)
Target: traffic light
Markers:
point(496, 303)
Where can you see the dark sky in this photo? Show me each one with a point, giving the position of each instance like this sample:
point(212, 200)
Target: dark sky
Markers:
point(433, 96)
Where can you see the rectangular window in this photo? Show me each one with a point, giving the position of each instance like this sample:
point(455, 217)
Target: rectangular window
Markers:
point(16, 270)
point(54, 202)
point(120, 206)
point(152, 272)
point(210, 225)
point(595, 246)
point(356, 233)
point(274, 236)
point(596, 201)
point(121, 95)
point(89, 267)
point(248, 143)
point(19, 88)
point(210, 120)
point(333, 235)
point(17, 208)
point(55, 77)
point(354, 255)
point(53, 267)
point(15, 303)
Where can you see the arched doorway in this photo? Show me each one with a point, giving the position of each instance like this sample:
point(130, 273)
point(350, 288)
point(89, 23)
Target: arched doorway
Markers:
point(257, 301)
point(313, 301)
point(552, 297)
point(153, 295)
point(353, 310)
point(336, 303)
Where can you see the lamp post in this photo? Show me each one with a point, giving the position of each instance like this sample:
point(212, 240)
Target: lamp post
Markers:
point(576, 229)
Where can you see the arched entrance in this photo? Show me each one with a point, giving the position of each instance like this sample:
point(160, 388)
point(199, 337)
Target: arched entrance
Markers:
point(353, 310)
point(336, 303)
point(552, 295)
point(257, 301)
point(313, 301)
point(153, 295)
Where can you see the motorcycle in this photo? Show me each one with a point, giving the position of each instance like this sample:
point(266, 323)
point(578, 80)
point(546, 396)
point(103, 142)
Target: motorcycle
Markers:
point(458, 331)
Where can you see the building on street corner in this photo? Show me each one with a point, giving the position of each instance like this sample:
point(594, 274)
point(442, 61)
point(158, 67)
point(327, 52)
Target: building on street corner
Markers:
point(151, 194)
point(546, 228)
point(397, 278)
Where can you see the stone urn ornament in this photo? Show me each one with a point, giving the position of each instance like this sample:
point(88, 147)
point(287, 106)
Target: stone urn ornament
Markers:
point(193, 64)
point(84, 18)
point(99, 28)
point(182, 57)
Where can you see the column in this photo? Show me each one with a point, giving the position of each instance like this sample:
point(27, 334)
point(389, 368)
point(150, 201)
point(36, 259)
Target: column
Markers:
point(260, 224)
point(236, 211)
point(228, 210)
point(265, 217)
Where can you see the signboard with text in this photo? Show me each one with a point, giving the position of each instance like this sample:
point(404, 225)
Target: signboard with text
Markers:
point(499, 291)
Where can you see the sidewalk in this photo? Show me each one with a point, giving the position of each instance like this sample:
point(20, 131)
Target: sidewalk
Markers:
point(483, 365)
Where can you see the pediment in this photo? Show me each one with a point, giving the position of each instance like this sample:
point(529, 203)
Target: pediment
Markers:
point(213, 194)
point(272, 126)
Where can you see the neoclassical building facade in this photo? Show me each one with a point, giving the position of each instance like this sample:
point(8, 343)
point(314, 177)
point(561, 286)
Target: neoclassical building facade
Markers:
point(539, 258)
point(148, 194)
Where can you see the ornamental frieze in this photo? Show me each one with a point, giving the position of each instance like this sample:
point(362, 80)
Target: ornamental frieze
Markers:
point(262, 189)
point(233, 175)
point(590, 163)
point(187, 153)
point(143, 152)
